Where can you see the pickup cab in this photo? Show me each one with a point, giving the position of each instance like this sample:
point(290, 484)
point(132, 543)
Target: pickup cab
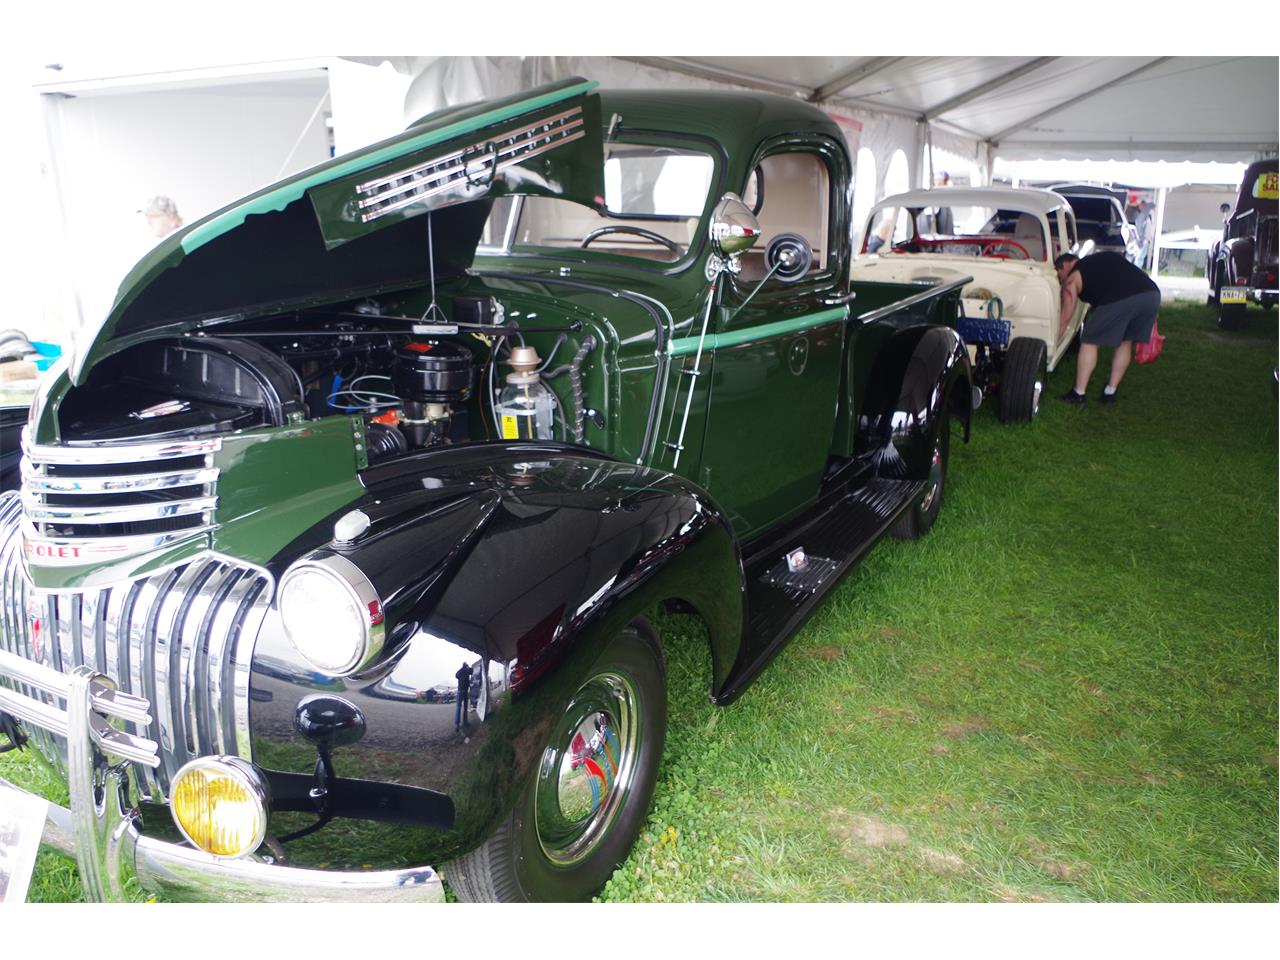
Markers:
point(329, 568)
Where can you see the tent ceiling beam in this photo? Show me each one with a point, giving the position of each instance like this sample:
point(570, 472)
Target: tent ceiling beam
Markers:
point(1146, 146)
point(719, 74)
point(848, 78)
point(1079, 98)
point(933, 113)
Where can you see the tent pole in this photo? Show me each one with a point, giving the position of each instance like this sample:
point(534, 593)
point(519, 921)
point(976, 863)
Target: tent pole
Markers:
point(928, 140)
point(1161, 196)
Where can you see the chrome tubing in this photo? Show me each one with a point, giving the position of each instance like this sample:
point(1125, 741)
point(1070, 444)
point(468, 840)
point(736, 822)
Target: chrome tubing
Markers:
point(182, 873)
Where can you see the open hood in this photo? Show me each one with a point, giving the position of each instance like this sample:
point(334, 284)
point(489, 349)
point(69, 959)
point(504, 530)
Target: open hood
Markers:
point(356, 225)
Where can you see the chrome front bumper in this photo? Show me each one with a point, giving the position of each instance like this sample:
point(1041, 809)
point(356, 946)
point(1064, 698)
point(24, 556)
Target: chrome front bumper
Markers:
point(100, 830)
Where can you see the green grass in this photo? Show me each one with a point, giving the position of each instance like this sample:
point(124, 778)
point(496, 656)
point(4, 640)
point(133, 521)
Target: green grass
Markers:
point(1066, 691)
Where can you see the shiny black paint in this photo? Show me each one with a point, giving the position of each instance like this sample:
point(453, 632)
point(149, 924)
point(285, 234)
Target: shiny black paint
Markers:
point(917, 369)
point(521, 559)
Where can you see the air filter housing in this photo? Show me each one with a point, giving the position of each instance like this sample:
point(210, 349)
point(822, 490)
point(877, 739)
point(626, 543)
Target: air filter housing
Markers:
point(433, 371)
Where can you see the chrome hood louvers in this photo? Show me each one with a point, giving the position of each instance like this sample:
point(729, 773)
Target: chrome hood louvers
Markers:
point(475, 164)
point(84, 503)
point(181, 639)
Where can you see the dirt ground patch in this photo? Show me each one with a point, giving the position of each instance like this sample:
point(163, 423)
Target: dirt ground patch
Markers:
point(1062, 871)
point(868, 831)
point(965, 728)
point(1092, 688)
point(825, 653)
point(940, 862)
point(894, 713)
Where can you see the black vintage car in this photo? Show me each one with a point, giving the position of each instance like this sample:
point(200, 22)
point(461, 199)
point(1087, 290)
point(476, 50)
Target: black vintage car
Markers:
point(1242, 265)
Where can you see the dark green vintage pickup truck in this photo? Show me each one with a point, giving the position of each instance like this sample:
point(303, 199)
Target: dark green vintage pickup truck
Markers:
point(328, 571)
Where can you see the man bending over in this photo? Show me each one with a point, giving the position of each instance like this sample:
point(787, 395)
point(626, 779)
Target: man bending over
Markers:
point(1125, 302)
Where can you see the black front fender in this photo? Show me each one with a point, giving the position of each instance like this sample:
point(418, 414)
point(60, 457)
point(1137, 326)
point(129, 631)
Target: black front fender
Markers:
point(518, 561)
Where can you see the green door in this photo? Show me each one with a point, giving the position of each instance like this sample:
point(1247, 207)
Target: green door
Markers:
point(775, 372)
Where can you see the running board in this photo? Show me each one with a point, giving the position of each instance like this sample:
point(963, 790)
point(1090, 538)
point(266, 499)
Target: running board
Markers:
point(782, 595)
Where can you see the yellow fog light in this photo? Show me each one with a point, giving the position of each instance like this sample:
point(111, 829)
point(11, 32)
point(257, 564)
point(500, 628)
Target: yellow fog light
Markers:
point(220, 804)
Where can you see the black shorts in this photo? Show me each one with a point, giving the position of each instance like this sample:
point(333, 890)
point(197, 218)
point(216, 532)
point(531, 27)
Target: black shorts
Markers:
point(1128, 319)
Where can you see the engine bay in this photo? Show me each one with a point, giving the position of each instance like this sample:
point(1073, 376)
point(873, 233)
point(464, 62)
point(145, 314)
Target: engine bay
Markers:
point(417, 381)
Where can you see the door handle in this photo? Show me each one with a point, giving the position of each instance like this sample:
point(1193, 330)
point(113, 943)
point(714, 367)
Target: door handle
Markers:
point(840, 299)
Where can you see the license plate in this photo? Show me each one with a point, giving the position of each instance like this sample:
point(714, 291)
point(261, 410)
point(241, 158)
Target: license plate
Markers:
point(21, 824)
point(1234, 294)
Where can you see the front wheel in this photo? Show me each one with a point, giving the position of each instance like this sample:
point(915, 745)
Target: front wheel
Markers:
point(1023, 379)
point(577, 820)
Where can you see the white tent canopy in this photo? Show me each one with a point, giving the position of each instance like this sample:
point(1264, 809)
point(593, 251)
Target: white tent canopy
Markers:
point(975, 109)
point(1100, 108)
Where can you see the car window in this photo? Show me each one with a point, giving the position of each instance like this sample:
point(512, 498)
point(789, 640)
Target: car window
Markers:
point(967, 231)
point(792, 193)
point(888, 228)
point(1063, 237)
point(655, 196)
point(644, 181)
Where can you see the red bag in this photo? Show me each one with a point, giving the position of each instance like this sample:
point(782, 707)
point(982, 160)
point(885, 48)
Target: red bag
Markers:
point(1149, 351)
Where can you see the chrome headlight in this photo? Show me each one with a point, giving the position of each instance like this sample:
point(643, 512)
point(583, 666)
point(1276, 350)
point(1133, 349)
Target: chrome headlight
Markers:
point(332, 614)
point(221, 805)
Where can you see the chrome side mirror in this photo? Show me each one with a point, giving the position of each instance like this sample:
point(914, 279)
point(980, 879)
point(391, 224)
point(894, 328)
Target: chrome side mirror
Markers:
point(734, 228)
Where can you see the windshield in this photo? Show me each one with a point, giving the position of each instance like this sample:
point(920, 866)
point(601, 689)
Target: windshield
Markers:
point(654, 200)
point(969, 231)
point(1093, 209)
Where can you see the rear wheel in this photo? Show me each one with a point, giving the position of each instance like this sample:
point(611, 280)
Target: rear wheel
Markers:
point(919, 517)
point(1230, 316)
point(590, 794)
point(1023, 380)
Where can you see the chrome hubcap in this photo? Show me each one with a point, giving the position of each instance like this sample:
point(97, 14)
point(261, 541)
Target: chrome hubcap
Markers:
point(935, 480)
point(588, 769)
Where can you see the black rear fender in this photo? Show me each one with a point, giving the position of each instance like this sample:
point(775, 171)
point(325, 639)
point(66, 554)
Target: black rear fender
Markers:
point(917, 372)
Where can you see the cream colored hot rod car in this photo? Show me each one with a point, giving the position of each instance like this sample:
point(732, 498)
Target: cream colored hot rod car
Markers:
point(1006, 239)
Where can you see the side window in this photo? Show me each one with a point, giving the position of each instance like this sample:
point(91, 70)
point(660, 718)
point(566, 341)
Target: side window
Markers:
point(791, 193)
point(1061, 240)
point(889, 226)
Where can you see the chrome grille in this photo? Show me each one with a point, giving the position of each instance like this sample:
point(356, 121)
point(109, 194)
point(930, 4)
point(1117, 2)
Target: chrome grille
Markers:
point(139, 495)
point(476, 165)
point(182, 639)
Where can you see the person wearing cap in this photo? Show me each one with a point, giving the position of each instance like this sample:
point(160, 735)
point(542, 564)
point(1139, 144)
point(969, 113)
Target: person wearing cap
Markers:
point(162, 215)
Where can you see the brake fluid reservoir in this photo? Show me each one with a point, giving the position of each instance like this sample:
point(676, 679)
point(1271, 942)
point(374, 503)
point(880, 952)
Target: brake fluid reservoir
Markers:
point(525, 404)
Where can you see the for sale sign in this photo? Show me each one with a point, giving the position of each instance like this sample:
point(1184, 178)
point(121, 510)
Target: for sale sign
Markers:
point(1267, 186)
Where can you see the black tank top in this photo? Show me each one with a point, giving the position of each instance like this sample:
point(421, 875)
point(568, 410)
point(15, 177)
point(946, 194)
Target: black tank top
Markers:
point(1108, 277)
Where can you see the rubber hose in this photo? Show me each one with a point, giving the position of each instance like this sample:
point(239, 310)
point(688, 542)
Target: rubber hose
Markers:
point(575, 381)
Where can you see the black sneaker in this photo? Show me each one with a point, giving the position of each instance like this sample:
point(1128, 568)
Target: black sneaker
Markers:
point(1076, 399)
point(1108, 399)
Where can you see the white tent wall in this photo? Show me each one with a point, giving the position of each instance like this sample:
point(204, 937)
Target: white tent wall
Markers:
point(202, 147)
point(1195, 206)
